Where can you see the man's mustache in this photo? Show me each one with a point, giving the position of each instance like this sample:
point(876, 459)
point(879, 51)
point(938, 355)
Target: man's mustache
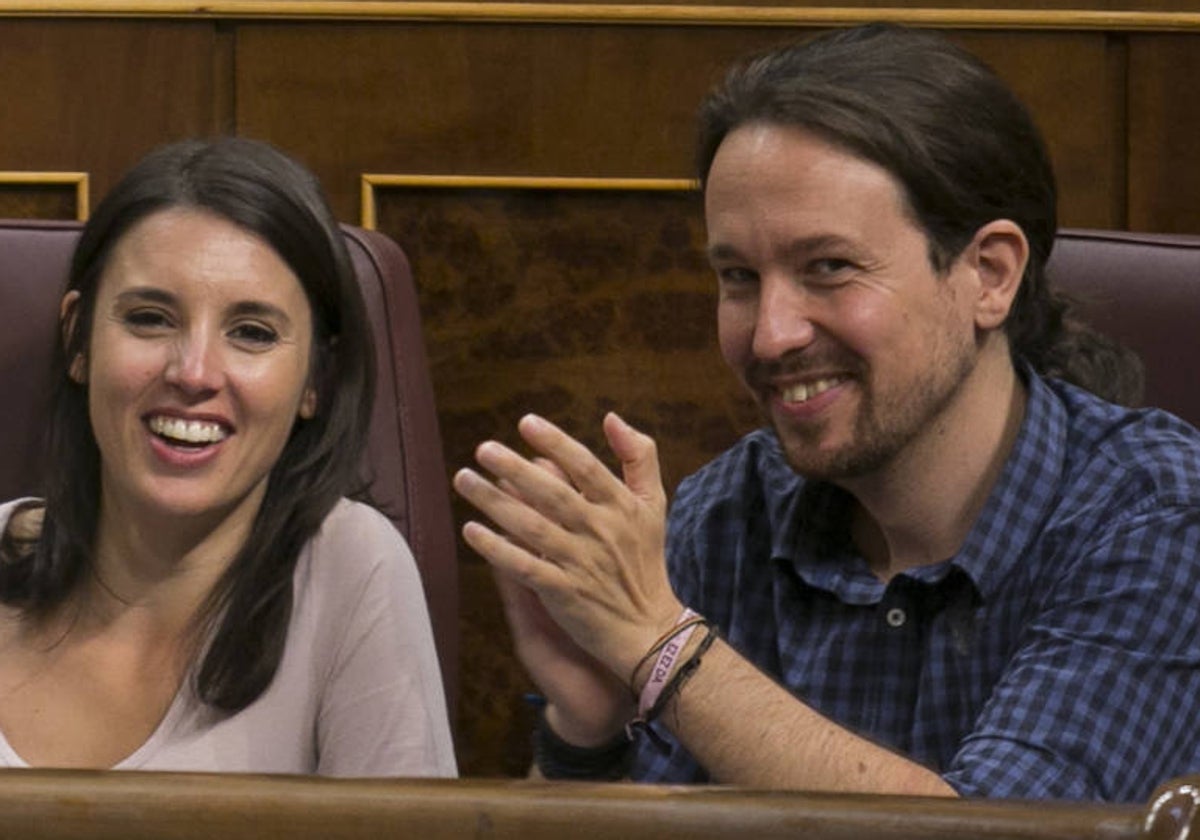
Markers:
point(761, 373)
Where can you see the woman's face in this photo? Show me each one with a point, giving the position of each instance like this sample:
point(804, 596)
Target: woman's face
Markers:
point(197, 368)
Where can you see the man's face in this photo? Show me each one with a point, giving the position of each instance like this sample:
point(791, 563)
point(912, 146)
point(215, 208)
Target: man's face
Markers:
point(830, 310)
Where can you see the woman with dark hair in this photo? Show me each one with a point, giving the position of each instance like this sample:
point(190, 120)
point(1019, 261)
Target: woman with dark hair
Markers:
point(196, 592)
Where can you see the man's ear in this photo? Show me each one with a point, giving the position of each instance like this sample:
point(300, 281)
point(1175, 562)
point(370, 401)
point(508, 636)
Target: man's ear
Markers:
point(68, 322)
point(1001, 254)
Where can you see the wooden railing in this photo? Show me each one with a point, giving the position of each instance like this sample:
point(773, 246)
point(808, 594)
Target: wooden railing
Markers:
point(1130, 18)
point(83, 805)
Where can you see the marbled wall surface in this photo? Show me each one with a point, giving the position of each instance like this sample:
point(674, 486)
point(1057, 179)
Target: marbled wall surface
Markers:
point(569, 303)
point(37, 201)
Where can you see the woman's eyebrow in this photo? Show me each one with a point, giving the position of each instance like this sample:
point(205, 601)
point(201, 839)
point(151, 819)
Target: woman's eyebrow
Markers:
point(147, 294)
point(260, 309)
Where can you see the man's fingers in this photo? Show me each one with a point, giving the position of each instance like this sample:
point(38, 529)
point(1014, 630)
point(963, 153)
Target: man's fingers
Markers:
point(513, 512)
point(539, 486)
point(515, 598)
point(509, 559)
point(526, 614)
point(552, 468)
point(577, 463)
point(638, 455)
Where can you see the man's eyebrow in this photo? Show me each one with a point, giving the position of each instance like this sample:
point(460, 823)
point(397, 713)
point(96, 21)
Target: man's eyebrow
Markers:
point(797, 247)
point(822, 242)
point(721, 251)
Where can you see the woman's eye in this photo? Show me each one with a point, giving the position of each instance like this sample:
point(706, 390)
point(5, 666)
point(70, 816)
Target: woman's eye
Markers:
point(147, 319)
point(254, 335)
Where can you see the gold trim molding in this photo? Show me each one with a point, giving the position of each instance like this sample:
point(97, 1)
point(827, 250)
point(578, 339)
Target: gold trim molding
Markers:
point(78, 180)
point(370, 183)
point(610, 13)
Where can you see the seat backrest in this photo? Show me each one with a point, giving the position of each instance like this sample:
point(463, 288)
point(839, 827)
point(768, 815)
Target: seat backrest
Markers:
point(404, 460)
point(1143, 290)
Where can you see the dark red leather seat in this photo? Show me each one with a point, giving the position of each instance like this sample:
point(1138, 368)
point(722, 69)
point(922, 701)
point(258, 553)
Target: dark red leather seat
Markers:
point(1143, 290)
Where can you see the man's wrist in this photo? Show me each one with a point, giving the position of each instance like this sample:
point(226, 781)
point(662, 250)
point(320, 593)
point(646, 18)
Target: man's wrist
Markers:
point(636, 646)
point(557, 759)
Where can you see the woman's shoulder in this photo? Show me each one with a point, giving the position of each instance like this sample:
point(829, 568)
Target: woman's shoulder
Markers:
point(357, 523)
point(355, 541)
point(357, 565)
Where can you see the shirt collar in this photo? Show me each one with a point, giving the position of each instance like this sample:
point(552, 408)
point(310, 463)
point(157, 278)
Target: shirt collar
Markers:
point(809, 521)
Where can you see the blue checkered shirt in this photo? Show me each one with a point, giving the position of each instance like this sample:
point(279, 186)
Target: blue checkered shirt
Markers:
point(1056, 655)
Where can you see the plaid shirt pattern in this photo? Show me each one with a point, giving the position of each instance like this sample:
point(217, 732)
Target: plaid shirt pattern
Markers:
point(1056, 655)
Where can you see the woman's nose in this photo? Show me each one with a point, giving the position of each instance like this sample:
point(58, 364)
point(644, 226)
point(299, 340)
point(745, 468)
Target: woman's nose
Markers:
point(194, 364)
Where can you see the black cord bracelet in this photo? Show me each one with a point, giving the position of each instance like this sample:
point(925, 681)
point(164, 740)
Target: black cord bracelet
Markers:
point(556, 759)
point(682, 674)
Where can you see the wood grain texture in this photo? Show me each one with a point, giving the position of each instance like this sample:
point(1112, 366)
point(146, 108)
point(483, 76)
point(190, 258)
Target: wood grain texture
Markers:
point(1149, 15)
point(1164, 107)
point(19, 200)
point(496, 100)
point(574, 102)
point(131, 805)
point(1074, 87)
point(94, 96)
point(569, 303)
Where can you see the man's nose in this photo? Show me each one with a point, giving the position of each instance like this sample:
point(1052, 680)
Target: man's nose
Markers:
point(785, 313)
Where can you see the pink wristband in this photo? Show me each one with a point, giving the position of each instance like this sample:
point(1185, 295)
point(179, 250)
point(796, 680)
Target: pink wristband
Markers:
point(664, 665)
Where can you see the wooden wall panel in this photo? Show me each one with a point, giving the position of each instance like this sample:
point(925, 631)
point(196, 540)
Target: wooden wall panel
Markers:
point(603, 101)
point(484, 100)
point(1074, 84)
point(1164, 106)
point(94, 96)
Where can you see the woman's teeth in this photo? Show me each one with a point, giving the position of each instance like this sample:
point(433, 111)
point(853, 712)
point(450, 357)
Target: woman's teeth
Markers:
point(187, 431)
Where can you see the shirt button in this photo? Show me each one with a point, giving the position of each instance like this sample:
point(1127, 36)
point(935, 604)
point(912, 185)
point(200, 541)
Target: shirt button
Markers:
point(896, 617)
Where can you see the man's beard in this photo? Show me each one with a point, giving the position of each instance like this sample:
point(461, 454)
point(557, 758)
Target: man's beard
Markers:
point(884, 425)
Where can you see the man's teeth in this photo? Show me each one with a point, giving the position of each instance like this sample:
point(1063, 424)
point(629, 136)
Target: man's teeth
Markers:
point(188, 431)
point(805, 391)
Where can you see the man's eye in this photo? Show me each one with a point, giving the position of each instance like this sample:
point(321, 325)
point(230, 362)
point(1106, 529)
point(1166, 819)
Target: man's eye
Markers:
point(257, 335)
point(831, 265)
point(828, 269)
point(736, 276)
point(737, 284)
